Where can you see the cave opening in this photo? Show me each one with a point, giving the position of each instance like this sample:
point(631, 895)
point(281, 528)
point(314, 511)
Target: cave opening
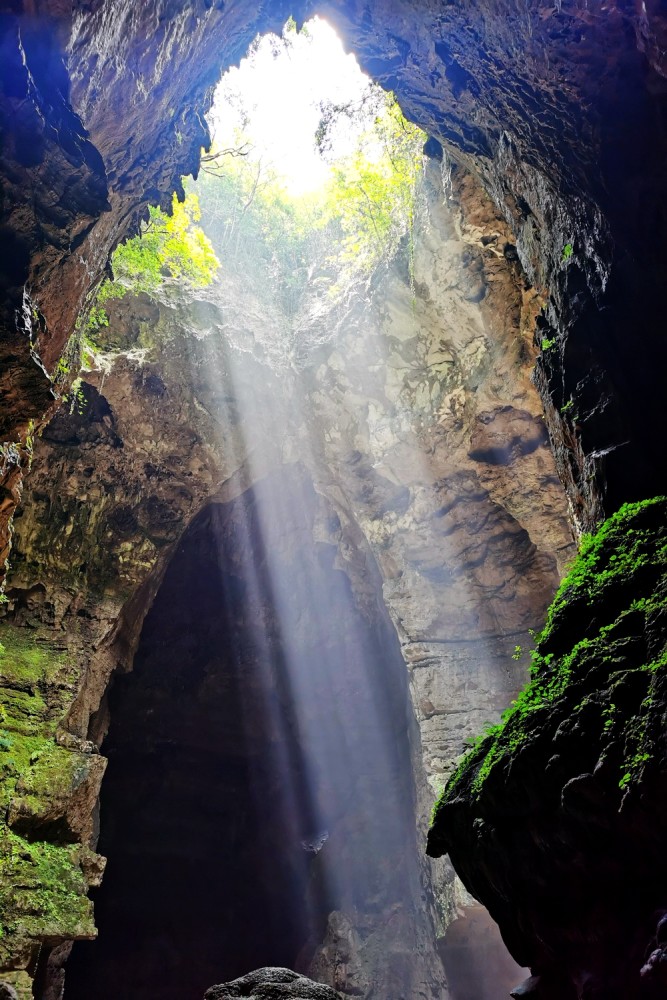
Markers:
point(554, 110)
point(260, 805)
point(259, 785)
point(309, 189)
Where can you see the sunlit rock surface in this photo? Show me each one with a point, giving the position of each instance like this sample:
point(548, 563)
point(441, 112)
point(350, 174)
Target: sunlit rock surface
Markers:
point(433, 431)
point(557, 108)
point(554, 107)
point(416, 422)
point(260, 771)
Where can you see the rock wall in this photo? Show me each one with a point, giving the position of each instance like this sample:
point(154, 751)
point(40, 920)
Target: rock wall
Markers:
point(556, 821)
point(434, 433)
point(557, 109)
point(260, 788)
point(418, 425)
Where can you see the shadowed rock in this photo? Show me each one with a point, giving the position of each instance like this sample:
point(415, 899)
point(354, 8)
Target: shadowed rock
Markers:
point(272, 984)
point(557, 820)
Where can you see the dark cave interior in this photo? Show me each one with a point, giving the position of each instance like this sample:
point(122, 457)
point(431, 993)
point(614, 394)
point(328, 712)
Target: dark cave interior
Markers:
point(237, 749)
point(559, 111)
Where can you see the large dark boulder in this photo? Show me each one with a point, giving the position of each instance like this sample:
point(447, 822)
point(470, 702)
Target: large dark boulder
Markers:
point(272, 984)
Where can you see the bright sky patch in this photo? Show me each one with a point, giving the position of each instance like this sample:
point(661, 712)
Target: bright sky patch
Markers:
point(275, 97)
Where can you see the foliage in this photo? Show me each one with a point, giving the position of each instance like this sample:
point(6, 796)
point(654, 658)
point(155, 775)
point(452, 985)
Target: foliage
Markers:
point(76, 397)
point(297, 252)
point(259, 231)
point(97, 316)
point(315, 244)
point(168, 248)
point(568, 250)
point(372, 192)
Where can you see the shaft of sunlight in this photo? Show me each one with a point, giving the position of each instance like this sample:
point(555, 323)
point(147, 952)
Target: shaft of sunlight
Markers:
point(349, 724)
point(340, 716)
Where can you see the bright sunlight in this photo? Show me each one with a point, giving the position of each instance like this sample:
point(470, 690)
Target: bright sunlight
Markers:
point(275, 100)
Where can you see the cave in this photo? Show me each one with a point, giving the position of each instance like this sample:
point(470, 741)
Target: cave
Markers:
point(397, 501)
point(259, 762)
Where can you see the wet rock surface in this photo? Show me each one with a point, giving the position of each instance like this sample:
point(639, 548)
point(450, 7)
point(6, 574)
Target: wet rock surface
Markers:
point(556, 108)
point(260, 773)
point(415, 411)
point(559, 109)
point(552, 106)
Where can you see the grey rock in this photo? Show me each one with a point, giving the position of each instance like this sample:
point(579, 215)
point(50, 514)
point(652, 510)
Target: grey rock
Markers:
point(272, 984)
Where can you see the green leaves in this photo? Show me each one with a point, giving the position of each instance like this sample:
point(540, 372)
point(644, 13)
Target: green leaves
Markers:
point(322, 242)
point(170, 249)
point(372, 192)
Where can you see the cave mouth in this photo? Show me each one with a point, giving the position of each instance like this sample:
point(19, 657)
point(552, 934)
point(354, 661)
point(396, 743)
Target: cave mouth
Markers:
point(259, 774)
point(308, 191)
point(280, 109)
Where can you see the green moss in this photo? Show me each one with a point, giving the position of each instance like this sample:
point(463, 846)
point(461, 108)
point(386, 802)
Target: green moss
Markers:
point(36, 687)
point(42, 893)
point(612, 593)
point(21, 982)
point(42, 885)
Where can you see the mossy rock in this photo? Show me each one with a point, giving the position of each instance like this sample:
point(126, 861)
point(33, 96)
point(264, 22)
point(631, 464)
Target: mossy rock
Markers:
point(598, 625)
point(557, 818)
point(36, 689)
point(46, 791)
point(42, 896)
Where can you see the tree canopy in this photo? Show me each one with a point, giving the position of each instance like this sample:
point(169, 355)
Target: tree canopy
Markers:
point(294, 248)
point(169, 248)
point(328, 238)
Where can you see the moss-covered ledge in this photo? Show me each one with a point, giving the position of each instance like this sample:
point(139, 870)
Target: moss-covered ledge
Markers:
point(557, 818)
point(49, 782)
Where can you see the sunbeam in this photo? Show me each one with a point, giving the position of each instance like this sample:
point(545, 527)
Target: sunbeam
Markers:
point(323, 585)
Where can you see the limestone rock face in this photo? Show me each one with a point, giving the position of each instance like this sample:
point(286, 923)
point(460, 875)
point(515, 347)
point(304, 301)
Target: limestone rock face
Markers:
point(434, 434)
point(553, 107)
point(414, 419)
point(557, 109)
point(260, 770)
point(272, 984)
point(100, 112)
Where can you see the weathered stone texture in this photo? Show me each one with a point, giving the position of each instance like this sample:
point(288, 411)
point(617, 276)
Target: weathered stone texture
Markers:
point(432, 430)
point(272, 984)
point(260, 772)
point(554, 108)
point(559, 111)
point(557, 821)
point(416, 420)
